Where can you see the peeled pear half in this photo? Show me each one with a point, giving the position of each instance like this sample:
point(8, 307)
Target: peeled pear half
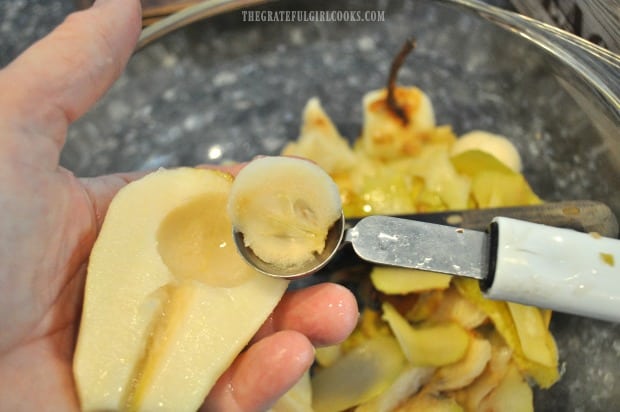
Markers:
point(168, 302)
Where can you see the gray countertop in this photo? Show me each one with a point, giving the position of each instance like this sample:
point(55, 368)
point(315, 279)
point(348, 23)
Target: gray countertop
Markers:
point(165, 118)
point(22, 22)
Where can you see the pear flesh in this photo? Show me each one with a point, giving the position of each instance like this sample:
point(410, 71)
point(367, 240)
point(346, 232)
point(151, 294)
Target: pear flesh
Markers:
point(168, 302)
point(284, 207)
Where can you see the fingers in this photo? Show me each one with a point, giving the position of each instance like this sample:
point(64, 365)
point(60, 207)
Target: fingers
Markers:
point(325, 313)
point(321, 314)
point(60, 77)
point(263, 373)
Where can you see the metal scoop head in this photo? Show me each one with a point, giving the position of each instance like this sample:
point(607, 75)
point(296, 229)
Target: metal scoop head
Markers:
point(334, 239)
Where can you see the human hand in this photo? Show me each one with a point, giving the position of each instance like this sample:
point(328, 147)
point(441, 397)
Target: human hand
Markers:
point(50, 220)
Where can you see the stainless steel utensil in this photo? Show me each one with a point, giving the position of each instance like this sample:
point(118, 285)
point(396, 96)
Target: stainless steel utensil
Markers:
point(517, 261)
point(530, 263)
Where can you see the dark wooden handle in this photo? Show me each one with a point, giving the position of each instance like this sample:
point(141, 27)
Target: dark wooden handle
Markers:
point(582, 215)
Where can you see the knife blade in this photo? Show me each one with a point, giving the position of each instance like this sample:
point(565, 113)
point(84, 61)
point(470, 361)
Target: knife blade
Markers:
point(518, 261)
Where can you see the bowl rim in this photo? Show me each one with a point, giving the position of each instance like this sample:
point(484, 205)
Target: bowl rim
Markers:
point(598, 67)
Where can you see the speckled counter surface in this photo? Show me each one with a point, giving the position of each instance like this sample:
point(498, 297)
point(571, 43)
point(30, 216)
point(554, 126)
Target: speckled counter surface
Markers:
point(228, 90)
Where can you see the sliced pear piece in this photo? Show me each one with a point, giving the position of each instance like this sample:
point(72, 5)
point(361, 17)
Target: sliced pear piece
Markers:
point(168, 302)
point(406, 384)
point(496, 189)
point(463, 372)
point(429, 402)
point(471, 396)
point(296, 399)
point(284, 207)
point(384, 135)
point(546, 314)
point(387, 190)
point(513, 394)
point(321, 142)
point(454, 307)
point(369, 325)
point(474, 161)
point(327, 355)
point(399, 281)
point(441, 177)
point(494, 170)
point(533, 334)
point(360, 375)
point(426, 304)
point(501, 317)
point(496, 145)
point(435, 345)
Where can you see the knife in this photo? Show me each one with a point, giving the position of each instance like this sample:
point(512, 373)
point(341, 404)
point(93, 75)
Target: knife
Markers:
point(524, 262)
point(581, 215)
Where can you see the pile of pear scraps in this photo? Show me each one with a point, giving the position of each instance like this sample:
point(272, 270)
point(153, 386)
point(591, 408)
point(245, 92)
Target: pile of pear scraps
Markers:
point(433, 342)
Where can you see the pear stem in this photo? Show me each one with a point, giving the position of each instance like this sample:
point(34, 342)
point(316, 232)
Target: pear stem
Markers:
point(398, 61)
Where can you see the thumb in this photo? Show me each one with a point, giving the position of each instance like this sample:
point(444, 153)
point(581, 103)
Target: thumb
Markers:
point(60, 77)
point(101, 190)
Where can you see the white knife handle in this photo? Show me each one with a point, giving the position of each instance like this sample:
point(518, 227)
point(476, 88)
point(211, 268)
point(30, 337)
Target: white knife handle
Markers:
point(552, 268)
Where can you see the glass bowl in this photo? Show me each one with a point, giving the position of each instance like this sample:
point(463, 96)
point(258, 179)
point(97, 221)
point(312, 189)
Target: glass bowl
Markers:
point(224, 89)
